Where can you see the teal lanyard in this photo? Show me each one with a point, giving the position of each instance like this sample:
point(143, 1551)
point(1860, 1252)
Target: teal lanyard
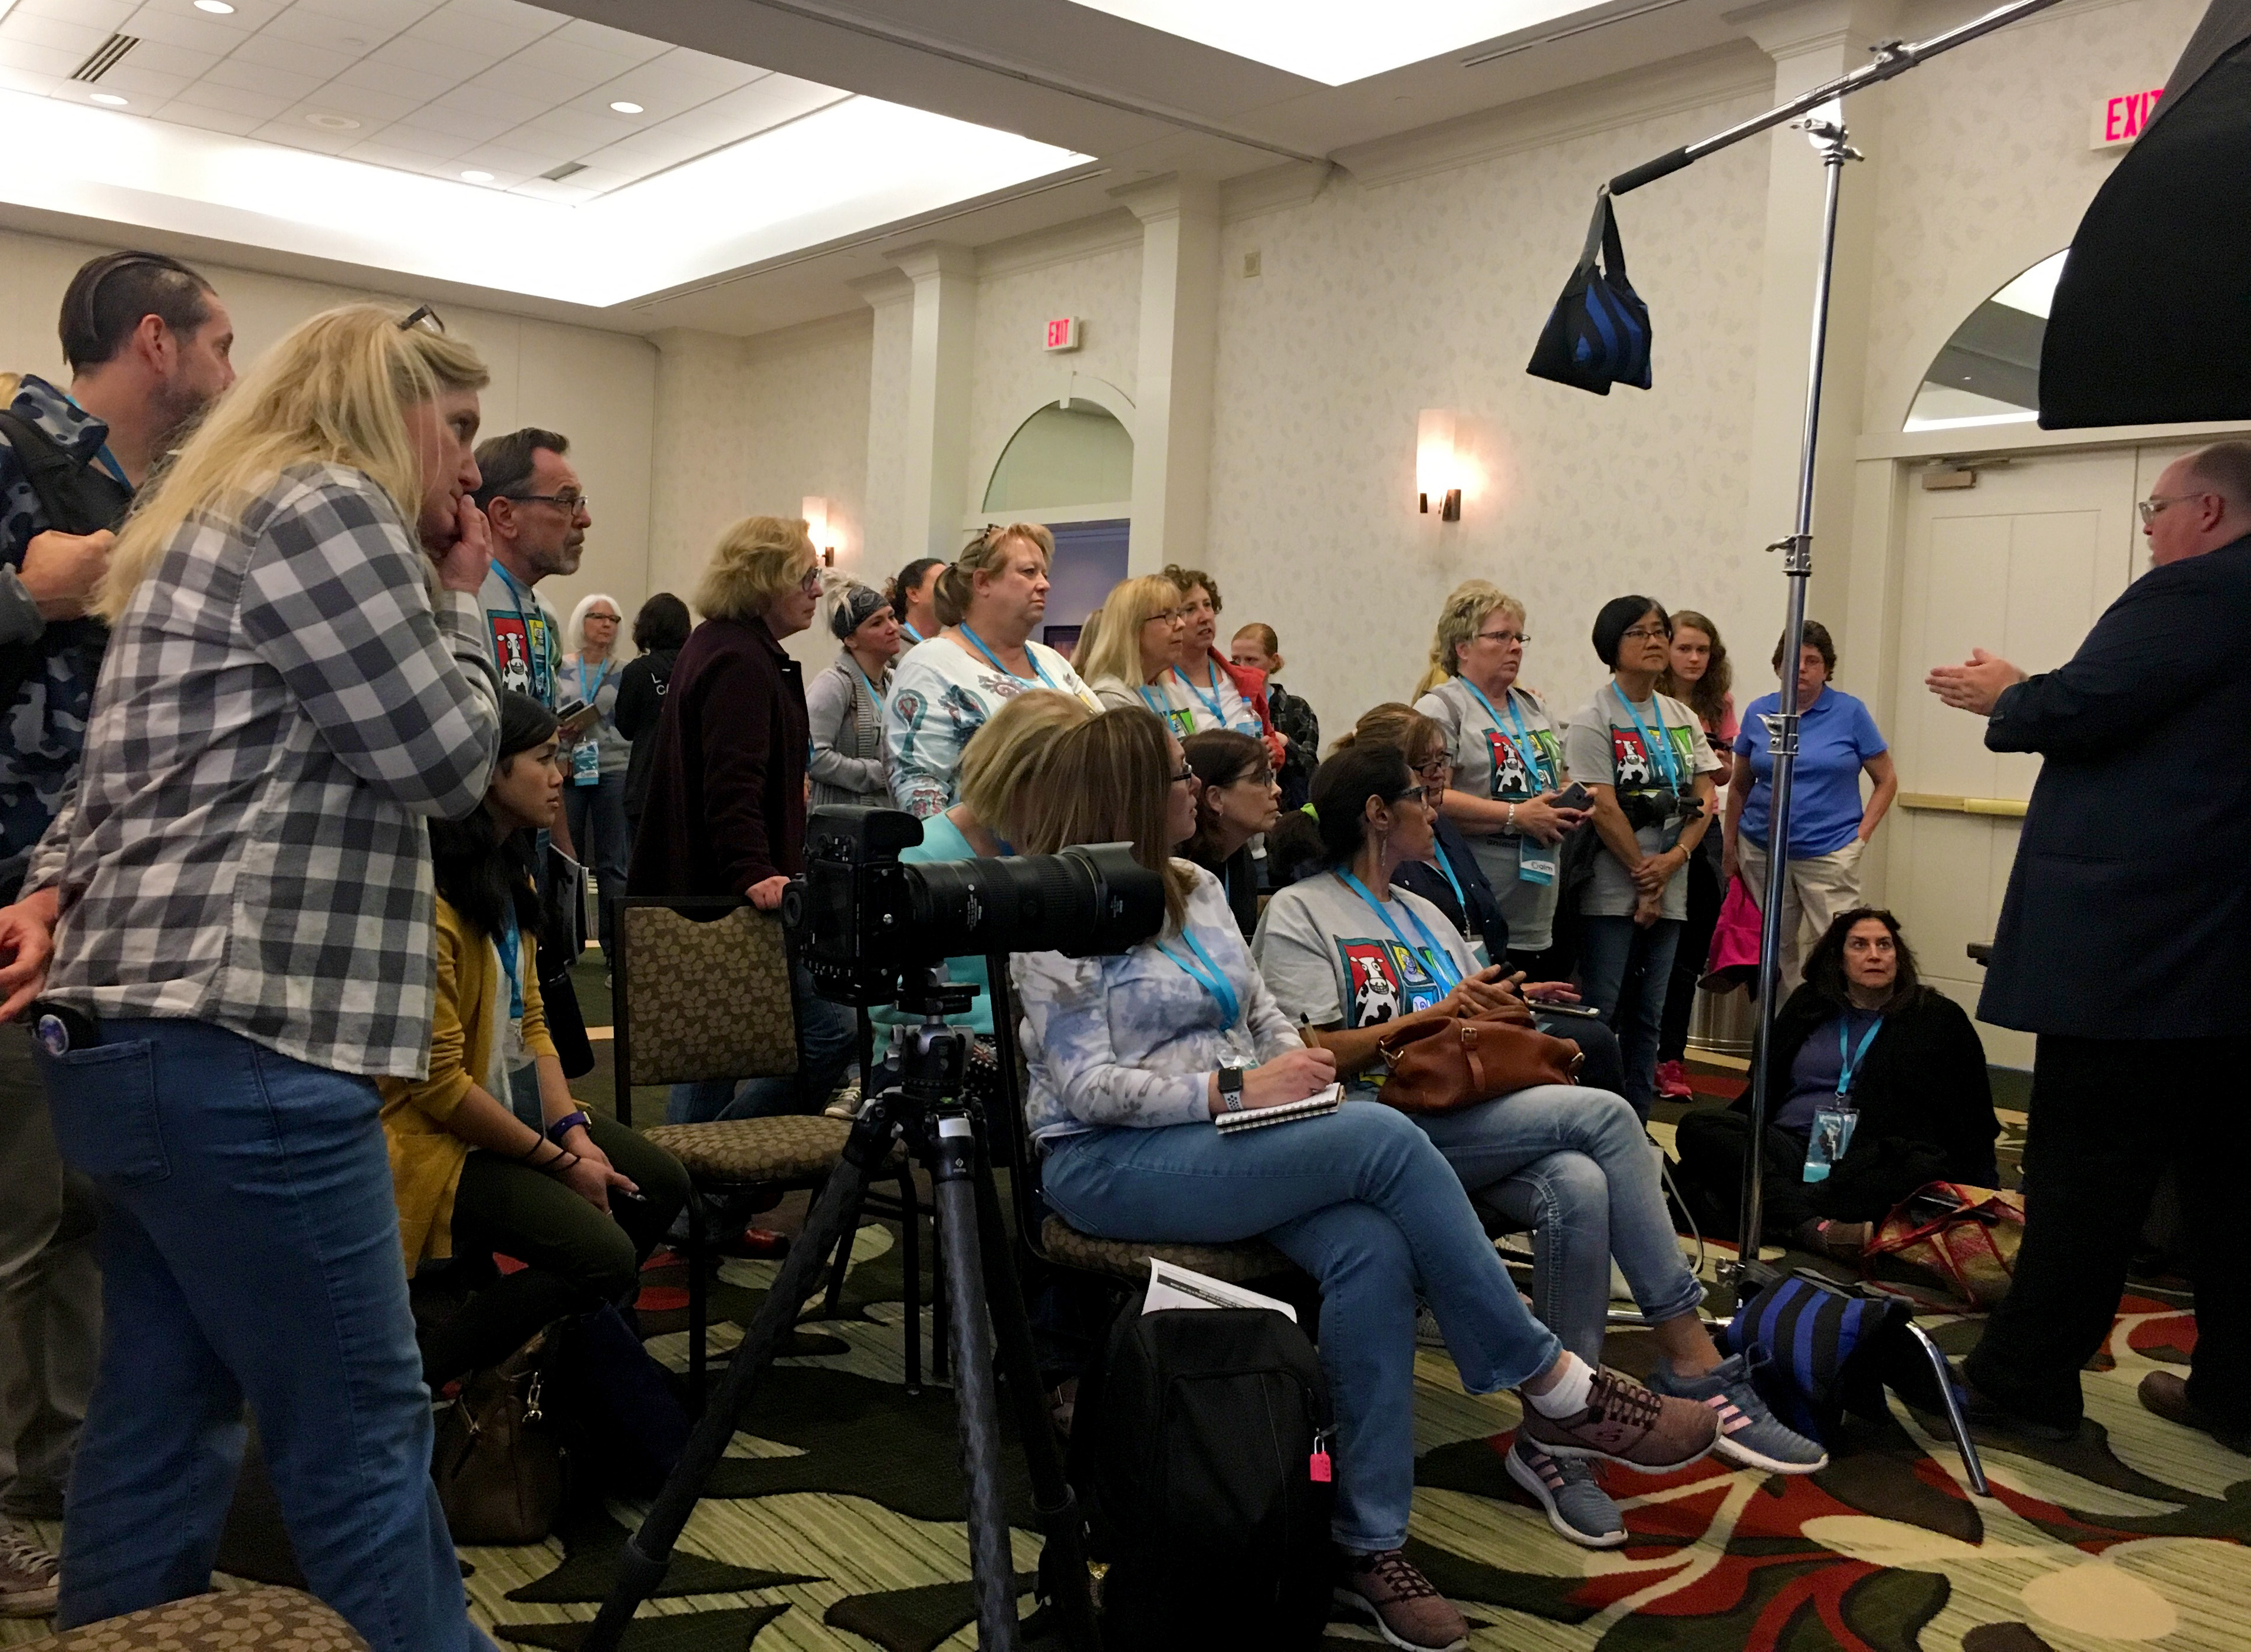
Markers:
point(507, 944)
point(598, 682)
point(978, 642)
point(1442, 965)
point(1155, 704)
point(1207, 975)
point(910, 631)
point(1460, 899)
point(1849, 1063)
point(1211, 701)
point(1521, 740)
point(107, 460)
point(1663, 746)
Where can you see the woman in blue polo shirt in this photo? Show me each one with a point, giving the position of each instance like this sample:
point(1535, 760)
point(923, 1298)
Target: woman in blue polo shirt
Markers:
point(1829, 822)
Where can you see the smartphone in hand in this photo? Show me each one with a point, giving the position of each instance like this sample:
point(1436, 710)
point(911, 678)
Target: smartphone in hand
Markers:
point(575, 719)
point(1575, 796)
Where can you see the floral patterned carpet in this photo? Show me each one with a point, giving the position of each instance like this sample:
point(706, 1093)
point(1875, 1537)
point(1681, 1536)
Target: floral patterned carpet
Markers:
point(835, 1523)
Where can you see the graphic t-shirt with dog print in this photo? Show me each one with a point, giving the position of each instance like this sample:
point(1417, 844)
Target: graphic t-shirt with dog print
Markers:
point(1490, 762)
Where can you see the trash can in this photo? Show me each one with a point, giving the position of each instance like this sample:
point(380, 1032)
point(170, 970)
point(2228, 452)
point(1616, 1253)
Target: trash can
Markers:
point(1723, 1023)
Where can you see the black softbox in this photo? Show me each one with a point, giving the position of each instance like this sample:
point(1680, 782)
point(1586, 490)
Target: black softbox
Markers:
point(2151, 323)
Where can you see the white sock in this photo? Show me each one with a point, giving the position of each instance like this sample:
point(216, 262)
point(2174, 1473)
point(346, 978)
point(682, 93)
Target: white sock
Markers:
point(1568, 1397)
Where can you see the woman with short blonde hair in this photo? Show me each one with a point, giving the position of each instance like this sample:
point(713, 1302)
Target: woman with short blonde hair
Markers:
point(297, 682)
point(726, 812)
point(991, 599)
point(1507, 757)
point(1131, 663)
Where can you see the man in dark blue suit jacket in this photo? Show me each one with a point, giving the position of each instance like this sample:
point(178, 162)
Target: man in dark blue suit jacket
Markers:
point(2125, 944)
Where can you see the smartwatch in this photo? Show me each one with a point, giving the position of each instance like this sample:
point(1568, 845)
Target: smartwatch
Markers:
point(564, 1125)
point(1230, 1089)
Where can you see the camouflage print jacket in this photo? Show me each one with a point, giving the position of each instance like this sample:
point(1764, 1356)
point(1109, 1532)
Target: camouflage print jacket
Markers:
point(43, 730)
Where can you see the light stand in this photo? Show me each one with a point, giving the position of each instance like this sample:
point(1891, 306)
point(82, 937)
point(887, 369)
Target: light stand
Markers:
point(1891, 58)
point(922, 1104)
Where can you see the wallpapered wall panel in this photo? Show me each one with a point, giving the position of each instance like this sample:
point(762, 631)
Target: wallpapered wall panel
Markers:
point(1373, 303)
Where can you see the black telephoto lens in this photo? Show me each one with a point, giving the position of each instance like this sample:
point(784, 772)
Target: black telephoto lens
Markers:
point(1085, 901)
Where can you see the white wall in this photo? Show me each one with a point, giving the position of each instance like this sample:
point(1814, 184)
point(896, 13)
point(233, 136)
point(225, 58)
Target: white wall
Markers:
point(596, 388)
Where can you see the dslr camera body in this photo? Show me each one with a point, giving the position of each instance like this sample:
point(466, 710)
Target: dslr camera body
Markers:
point(868, 927)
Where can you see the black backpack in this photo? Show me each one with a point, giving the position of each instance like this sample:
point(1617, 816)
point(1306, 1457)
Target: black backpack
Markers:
point(1200, 1450)
point(76, 497)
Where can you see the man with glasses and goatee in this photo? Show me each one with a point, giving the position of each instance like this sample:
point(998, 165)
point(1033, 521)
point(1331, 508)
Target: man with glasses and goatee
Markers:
point(147, 342)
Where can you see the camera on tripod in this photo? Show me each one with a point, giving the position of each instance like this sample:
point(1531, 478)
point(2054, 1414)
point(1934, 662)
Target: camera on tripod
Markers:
point(868, 927)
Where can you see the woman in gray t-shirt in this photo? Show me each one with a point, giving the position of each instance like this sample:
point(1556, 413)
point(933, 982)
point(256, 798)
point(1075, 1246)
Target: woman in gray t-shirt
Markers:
point(1509, 761)
point(1645, 758)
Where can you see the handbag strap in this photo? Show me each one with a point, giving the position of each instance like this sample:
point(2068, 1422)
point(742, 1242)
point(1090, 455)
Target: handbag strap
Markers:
point(1470, 1055)
point(1602, 232)
point(1613, 248)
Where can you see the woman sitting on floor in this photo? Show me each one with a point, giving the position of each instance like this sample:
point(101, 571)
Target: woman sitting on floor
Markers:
point(1862, 1040)
point(1133, 1056)
point(581, 1202)
point(1238, 799)
point(1349, 952)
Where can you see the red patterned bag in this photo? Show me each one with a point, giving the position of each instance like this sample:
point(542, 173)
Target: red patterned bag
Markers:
point(1964, 1237)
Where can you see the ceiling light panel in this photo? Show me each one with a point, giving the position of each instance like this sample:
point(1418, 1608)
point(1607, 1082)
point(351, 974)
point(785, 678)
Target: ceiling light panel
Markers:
point(1337, 42)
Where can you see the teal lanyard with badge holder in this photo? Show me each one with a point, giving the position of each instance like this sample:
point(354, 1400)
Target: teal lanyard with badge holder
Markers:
point(1536, 862)
point(1833, 1123)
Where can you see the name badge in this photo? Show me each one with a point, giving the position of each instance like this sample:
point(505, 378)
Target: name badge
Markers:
point(1831, 1140)
point(1536, 862)
point(587, 763)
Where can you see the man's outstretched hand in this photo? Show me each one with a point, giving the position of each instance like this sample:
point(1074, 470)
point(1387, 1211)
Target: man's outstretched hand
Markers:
point(1975, 684)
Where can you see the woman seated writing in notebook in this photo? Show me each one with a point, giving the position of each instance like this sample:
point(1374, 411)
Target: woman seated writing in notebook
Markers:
point(1134, 1055)
point(578, 1199)
point(1348, 951)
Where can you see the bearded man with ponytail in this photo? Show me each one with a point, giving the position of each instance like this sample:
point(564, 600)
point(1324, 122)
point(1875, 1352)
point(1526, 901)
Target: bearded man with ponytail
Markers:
point(228, 931)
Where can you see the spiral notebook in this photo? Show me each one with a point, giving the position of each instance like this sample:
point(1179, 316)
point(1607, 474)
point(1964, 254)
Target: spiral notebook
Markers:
point(1289, 1113)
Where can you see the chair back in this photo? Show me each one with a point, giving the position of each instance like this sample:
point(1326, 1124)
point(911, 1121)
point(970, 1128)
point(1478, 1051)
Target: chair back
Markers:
point(703, 992)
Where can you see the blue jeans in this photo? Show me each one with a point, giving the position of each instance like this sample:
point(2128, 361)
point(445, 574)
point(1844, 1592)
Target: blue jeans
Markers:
point(1576, 1165)
point(596, 815)
point(828, 1040)
point(1361, 1201)
point(1624, 972)
point(249, 1251)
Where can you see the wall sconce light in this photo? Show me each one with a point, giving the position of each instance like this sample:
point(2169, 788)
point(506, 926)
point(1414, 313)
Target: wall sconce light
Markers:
point(814, 509)
point(1436, 469)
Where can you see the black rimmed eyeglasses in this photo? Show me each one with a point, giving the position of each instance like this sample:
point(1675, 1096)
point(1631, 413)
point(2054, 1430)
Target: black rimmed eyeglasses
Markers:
point(424, 317)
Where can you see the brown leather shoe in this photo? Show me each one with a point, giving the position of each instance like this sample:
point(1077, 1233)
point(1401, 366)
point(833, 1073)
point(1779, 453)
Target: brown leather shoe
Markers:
point(1625, 1422)
point(2167, 1395)
point(1409, 1611)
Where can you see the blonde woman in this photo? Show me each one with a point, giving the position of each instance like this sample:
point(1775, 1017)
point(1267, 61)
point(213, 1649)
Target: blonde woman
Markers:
point(594, 768)
point(990, 600)
point(297, 680)
point(1000, 767)
point(1131, 663)
point(726, 794)
point(1508, 756)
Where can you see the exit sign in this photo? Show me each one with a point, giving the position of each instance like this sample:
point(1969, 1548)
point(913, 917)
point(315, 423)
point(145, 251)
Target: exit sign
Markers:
point(1063, 333)
point(2120, 120)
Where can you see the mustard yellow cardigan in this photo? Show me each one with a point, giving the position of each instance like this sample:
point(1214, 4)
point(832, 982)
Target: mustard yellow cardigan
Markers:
point(426, 1157)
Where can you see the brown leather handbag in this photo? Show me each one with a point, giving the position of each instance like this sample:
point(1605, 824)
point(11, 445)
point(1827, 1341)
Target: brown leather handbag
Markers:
point(501, 1471)
point(1440, 1064)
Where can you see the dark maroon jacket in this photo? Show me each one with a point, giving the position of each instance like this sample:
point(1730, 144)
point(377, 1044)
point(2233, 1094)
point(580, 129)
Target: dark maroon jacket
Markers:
point(726, 792)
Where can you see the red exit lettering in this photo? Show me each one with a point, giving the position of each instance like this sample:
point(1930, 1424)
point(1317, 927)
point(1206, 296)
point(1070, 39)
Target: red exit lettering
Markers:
point(2125, 117)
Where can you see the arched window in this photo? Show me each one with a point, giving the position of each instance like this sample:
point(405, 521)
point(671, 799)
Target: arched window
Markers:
point(1987, 372)
point(1061, 457)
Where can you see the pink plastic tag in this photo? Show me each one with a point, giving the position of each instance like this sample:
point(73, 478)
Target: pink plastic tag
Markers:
point(1320, 1468)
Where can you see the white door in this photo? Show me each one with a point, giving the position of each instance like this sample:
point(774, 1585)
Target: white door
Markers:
point(2020, 565)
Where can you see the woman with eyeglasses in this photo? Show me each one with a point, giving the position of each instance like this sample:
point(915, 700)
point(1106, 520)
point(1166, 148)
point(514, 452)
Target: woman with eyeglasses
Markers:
point(1129, 661)
point(297, 682)
point(1132, 1057)
point(991, 599)
point(1351, 951)
point(594, 789)
point(1643, 756)
point(1507, 758)
point(1237, 799)
point(726, 795)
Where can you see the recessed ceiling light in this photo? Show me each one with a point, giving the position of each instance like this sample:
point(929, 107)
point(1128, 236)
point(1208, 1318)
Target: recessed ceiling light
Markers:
point(472, 176)
point(333, 122)
point(217, 7)
point(109, 98)
point(623, 107)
